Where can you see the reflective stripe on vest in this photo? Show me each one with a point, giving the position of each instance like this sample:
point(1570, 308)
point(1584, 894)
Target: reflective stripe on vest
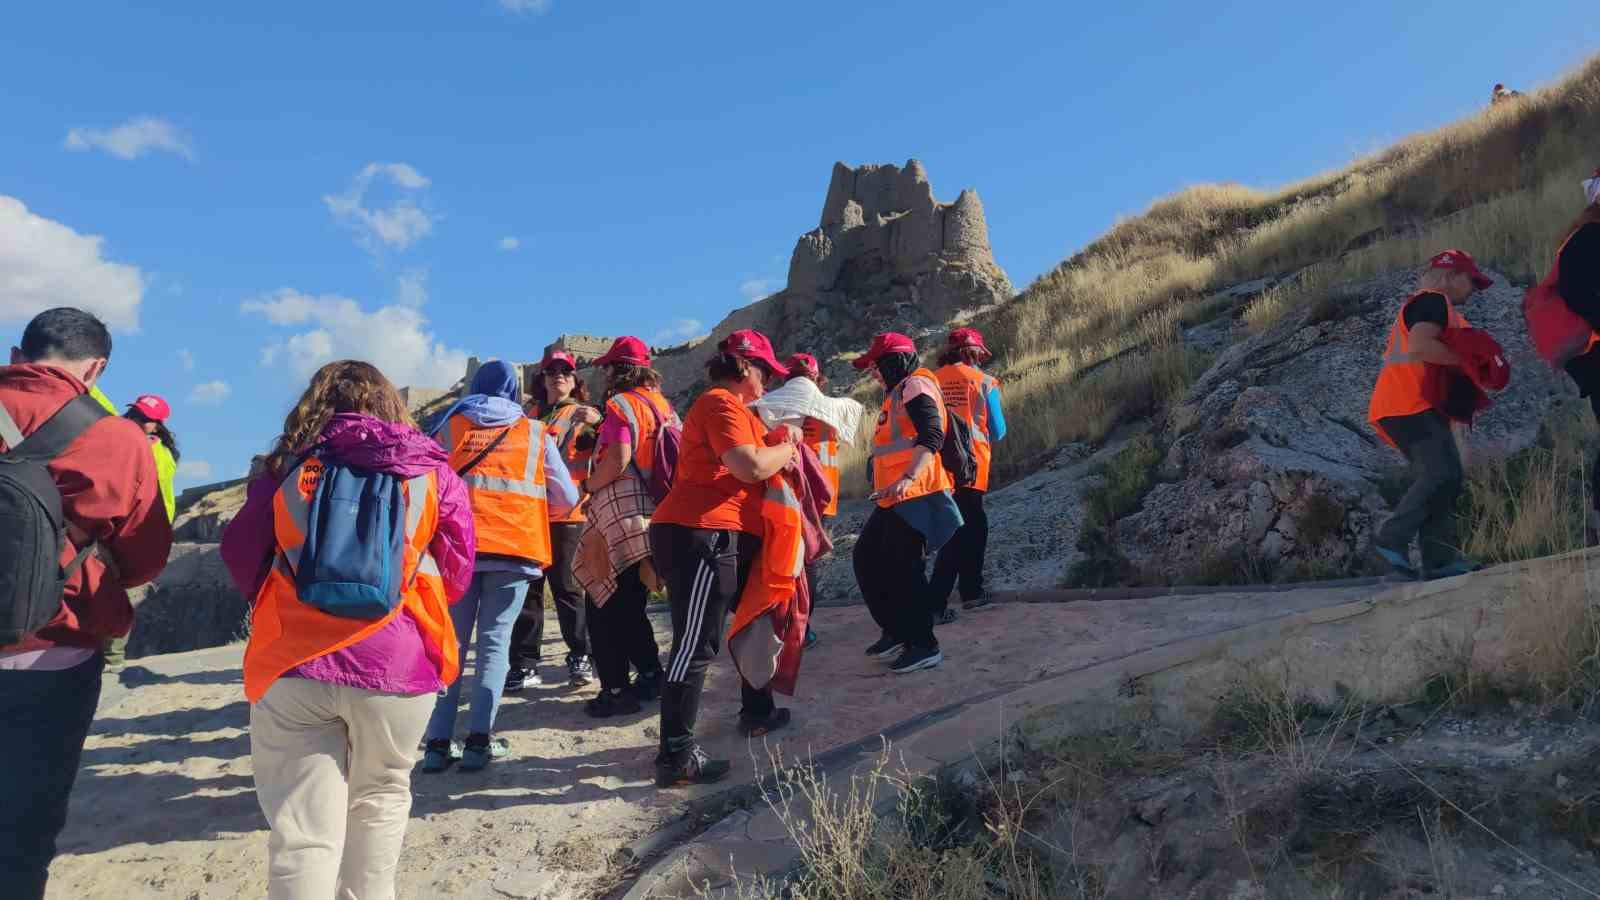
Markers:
point(1398, 391)
point(507, 487)
point(623, 403)
point(894, 440)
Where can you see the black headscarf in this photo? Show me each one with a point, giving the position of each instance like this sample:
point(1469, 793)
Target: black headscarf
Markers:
point(895, 367)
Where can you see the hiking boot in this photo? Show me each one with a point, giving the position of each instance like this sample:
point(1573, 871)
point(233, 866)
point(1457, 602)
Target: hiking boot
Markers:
point(437, 756)
point(696, 768)
point(612, 703)
point(579, 670)
point(886, 648)
point(915, 658)
point(480, 750)
point(647, 686)
point(760, 726)
point(978, 602)
point(1398, 560)
point(947, 617)
point(1461, 565)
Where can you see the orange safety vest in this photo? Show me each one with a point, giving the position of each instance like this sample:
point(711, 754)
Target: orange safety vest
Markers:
point(773, 583)
point(824, 441)
point(285, 632)
point(966, 394)
point(1399, 388)
point(630, 405)
point(894, 445)
point(563, 422)
point(510, 505)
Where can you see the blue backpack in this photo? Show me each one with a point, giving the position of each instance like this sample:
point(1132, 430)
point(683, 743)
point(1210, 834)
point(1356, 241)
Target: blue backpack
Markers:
point(352, 563)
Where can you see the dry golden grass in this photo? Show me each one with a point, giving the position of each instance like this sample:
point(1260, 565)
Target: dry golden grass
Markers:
point(1501, 183)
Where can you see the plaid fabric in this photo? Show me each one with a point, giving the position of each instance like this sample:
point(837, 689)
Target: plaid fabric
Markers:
point(619, 515)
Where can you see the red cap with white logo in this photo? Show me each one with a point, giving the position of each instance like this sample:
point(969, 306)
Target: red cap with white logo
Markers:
point(1461, 261)
point(750, 344)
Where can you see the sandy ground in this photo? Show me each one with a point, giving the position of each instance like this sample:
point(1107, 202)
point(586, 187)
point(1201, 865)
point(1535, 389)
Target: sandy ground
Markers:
point(164, 803)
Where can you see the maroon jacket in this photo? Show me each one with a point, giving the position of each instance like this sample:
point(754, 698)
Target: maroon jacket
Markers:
point(107, 479)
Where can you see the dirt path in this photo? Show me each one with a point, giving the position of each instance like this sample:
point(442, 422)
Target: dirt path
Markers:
point(164, 804)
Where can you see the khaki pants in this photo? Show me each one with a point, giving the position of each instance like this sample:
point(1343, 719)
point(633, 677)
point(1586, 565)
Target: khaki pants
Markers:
point(333, 776)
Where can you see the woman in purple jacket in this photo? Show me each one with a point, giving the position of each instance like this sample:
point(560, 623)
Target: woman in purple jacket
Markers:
point(333, 739)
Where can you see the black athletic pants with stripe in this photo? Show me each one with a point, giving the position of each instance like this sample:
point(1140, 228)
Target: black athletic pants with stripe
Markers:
point(704, 571)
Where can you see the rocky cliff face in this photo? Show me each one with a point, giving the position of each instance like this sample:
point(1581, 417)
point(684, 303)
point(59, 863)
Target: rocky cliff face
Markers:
point(886, 255)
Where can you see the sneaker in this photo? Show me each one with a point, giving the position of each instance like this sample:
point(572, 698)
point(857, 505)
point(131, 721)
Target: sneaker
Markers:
point(480, 749)
point(978, 602)
point(437, 756)
point(811, 638)
point(915, 658)
point(1397, 560)
point(752, 727)
point(579, 670)
point(612, 703)
point(647, 686)
point(516, 680)
point(696, 768)
point(886, 648)
point(1461, 565)
point(948, 617)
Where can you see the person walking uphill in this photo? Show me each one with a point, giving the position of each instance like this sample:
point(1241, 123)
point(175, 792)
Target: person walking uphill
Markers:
point(350, 634)
point(974, 395)
point(706, 535)
point(562, 404)
point(515, 482)
point(1405, 418)
point(117, 536)
point(614, 563)
point(915, 512)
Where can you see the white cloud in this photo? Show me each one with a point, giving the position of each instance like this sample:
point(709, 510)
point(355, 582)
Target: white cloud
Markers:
point(756, 288)
point(676, 332)
point(397, 338)
point(537, 7)
point(44, 263)
point(400, 223)
point(186, 359)
point(132, 139)
point(210, 393)
point(412, 288)
point(509, 244)
point(197, 469)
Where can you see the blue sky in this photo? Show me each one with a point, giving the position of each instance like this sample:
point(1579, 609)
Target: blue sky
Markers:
point(248, 190)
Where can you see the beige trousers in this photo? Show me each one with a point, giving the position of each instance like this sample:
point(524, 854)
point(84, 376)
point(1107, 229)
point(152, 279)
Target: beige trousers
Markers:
point(333, 776)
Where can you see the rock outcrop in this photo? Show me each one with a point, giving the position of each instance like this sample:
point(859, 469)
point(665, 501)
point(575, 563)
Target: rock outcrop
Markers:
point(885, 255)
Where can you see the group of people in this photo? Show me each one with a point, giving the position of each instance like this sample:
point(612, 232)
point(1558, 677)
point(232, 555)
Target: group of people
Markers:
point(379, 555)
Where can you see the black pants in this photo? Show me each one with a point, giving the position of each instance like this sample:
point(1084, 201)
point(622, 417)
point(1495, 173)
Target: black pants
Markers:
point(620, 634)
point(891, 569)
point(704, 571)
point(46, 716)
point(1428, 509)
point(1585, 372)
point(961, 559)
point(811, 567)
point(572, 608)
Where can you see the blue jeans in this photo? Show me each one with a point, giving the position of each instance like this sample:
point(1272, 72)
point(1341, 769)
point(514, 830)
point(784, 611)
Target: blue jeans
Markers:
point(491, 604)
point(46, 716)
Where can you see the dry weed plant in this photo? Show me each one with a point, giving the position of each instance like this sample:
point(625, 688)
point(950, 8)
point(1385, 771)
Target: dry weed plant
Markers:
point(1302, 738)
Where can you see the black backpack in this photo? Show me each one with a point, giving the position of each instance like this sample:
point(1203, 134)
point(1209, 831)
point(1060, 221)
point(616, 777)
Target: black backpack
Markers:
point(956, 454)
point(32, 526)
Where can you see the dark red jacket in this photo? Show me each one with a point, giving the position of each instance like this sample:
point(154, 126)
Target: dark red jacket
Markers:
point(1458, 392)
point(107, 479)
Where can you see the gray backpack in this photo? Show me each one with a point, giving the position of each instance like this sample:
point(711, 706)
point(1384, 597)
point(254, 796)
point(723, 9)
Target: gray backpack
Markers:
point(32, 526)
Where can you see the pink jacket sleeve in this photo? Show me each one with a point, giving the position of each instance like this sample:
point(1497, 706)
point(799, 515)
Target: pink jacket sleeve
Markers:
point(248, 541)
point(455, 543)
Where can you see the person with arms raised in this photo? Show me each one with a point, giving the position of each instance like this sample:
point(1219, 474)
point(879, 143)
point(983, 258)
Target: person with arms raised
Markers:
point(354, 540)
point(58, 444)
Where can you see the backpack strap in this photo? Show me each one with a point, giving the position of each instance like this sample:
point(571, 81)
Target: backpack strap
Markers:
point(49, 440)
point(483, 454)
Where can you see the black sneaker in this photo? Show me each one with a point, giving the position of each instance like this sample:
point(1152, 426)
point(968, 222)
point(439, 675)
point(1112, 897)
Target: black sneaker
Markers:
point(612, 703)
point(516, 680)
point(948, 617)
point(647, 686)
point(696, 768)
point(915, 658)
point(579, 670)
point(753, 727)
point(886, 648)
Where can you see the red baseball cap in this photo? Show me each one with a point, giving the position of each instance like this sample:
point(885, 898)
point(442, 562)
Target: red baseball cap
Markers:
point(751, 344)
point(804, 364)
point(1461, 261)
point(153, 407)
point(969, 337)
point(888, 342)
point(627, 350)
point(558, 356)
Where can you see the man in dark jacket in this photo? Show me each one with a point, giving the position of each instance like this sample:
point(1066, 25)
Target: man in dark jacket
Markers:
point(50, 683)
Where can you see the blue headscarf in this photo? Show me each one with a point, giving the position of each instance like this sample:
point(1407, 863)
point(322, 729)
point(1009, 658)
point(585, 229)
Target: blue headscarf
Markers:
point(493, 399)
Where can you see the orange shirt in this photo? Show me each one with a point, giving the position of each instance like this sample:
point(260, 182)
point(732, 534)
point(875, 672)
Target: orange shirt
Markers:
point(704, 493)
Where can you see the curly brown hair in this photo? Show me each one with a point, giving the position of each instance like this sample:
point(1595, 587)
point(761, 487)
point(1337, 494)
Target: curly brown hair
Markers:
point(346, 386)
point(972, 356)
point(621, 377)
